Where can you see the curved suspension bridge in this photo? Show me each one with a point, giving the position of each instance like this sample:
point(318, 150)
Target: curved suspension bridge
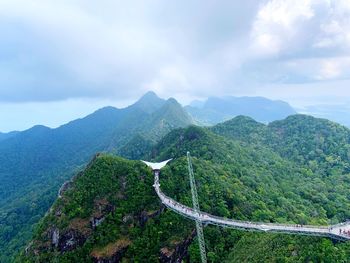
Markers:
point(338, 232)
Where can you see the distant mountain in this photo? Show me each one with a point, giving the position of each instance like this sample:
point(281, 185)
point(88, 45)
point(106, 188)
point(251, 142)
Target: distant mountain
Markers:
point(215, 110)
point(149, 102)
point(197, 103)
point(35, 162)
point(293, 171)
point(4, 136)
point(338, 113)
point(319, 144)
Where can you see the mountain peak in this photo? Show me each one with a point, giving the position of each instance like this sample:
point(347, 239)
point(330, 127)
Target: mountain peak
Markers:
point(172, 105)
point(173, 101)
point(243, 118)
point(104, 110)
point(241, 122)
point(39, 128)
point(150, 97)
point(149, 102)
point(150, 94)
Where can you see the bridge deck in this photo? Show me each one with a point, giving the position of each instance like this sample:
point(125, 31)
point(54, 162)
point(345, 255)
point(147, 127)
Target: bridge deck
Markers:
point(334, 231)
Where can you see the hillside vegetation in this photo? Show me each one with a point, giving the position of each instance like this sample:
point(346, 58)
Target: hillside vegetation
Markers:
point(36, 162)
point(244, 170)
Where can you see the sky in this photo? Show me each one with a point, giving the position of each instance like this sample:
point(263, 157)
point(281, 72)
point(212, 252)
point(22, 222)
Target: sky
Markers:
point(60, 60)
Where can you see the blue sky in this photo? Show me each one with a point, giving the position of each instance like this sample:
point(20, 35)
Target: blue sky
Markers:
point(60, 60)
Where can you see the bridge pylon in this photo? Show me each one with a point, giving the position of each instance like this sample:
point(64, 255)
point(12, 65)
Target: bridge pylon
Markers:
point(195, 203)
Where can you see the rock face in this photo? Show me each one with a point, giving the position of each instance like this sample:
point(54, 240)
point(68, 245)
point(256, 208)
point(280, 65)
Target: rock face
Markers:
point(115, 258)
point(102, 209)
point(96, 221)
point(178, 254)
point(55, 236)
point(66, 241)
point(145, 216)
point(112, 253)
point(28, 248)
point(79, 230)
point(166, 254)
point(64, 188)
point(70, 240)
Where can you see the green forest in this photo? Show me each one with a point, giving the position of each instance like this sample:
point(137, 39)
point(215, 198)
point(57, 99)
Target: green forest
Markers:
point(291, 171)
point(36, 162)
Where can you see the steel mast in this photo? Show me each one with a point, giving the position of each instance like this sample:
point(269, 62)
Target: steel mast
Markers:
point(199, 225)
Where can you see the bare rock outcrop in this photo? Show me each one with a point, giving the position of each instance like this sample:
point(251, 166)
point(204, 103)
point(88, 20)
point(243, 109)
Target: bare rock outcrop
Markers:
point(145, 216)
point(112, 253)
point(179, 253)
point(70, 240)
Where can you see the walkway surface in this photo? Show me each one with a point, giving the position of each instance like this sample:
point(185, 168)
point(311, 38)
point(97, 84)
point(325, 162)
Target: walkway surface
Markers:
point(339, 231)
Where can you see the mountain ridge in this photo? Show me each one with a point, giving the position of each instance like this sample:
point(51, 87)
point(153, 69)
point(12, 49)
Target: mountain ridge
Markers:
point(134, 132)
point(236, 178)
point(43, 156)
point(6, 135)
point(218, 109)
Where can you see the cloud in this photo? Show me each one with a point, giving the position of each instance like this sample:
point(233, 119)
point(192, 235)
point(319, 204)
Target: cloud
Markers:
point(333, 68)
point(277, 23)
point(335, 29)
point(58, 50)
point(300, 42)
point(71, 52)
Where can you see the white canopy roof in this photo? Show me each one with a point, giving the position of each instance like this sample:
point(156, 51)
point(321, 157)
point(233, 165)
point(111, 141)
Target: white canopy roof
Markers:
point(156, 166)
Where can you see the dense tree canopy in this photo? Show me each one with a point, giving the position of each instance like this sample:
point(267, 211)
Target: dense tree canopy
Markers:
point(36, 162)
point(244, 170)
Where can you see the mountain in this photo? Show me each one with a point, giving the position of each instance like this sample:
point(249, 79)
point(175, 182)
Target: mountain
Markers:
point(320, 144)
point(149, 102)
point(244, 170)
point(215, 110)
point(142, 137)
point(4, 136)
point(36, 162)
point(338, 113)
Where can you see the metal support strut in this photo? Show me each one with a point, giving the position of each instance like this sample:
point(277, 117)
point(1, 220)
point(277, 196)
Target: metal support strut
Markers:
point(199, 226)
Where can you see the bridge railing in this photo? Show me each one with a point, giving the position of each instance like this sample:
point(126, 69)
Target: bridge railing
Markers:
point(267, 224)
point(207, 217)
point(212, 219)
point(341, 224)
point(186, 211)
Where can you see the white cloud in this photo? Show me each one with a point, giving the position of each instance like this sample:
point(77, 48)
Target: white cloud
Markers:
point(329, 69)
point(58, 50)
point(335, 29)
point(285, 12)
point(278, 22)
point(332, 68)
point(91, 51)
point(170, 78)
point(301, 41)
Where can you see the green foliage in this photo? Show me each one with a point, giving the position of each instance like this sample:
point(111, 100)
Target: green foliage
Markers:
point(277, 248)
point(127, 186)
point(36, 162)
point(242, 172)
